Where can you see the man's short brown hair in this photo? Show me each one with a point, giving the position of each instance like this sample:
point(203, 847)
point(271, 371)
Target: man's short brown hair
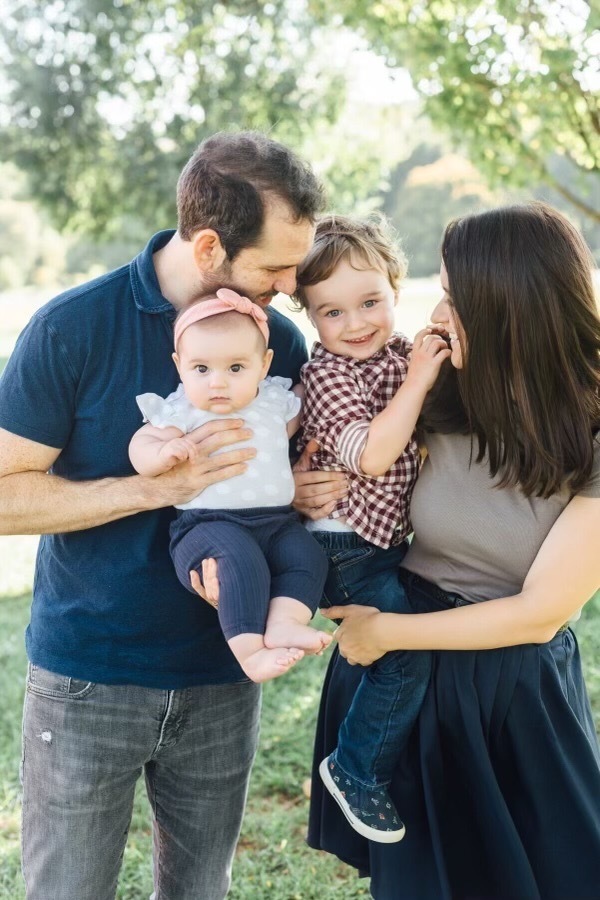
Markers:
point(364, 243)
point(226, 181)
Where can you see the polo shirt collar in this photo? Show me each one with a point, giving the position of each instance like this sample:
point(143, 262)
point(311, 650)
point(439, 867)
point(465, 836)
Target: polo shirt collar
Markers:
point(144, 283)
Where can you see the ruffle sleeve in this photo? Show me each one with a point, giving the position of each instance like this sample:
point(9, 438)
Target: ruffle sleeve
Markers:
point(169, 412)
point(277, 391)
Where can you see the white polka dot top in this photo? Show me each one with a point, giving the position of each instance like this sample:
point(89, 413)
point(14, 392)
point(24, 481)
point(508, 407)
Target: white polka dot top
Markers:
point(268, 480)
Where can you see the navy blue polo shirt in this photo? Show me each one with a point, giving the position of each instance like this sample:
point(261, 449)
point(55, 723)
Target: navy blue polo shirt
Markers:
point(107, 605)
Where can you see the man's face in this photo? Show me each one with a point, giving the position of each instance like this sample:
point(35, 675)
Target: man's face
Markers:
point(269, 268)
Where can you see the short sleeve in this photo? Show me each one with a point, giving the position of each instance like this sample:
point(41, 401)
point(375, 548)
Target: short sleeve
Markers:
point(169, 412)
point(38, 387)
point(592, 488)
point(277, 391)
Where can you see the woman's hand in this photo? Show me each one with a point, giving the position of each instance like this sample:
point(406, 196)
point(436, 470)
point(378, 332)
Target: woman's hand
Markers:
point(210, 590)
point(357, 635)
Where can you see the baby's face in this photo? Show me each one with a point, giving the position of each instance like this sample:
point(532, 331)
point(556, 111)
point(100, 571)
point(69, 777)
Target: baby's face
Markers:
point(220, 368)
point(353, 310)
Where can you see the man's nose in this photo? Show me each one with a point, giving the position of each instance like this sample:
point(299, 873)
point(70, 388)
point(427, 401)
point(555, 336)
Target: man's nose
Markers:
point(285, 283)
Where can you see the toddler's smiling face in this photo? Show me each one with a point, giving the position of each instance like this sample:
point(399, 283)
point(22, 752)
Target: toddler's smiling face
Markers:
point(353, 310)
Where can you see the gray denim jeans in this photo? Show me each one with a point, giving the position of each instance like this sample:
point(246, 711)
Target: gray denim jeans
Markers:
point(85, 746)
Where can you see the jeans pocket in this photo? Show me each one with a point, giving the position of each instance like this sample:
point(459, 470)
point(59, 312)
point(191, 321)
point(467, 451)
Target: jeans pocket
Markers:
point(352, 556)
point(61, 687)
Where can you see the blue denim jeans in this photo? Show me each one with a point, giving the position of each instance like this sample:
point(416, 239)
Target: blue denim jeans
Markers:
point(389, 696)
point(85, 746)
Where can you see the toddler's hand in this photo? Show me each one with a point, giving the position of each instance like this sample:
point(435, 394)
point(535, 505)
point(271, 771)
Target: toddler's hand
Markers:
point(428, 353)
point(176, 451)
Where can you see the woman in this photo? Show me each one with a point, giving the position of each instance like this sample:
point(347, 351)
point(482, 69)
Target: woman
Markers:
point(500, 789)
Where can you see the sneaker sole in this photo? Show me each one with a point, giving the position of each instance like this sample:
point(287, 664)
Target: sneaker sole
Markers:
point(372, 834)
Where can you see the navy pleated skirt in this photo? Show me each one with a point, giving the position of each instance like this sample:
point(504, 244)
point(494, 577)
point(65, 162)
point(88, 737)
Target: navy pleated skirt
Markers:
point(499, 788)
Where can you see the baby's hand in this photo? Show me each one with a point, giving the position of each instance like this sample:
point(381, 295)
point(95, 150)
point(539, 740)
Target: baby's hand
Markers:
point(428, 353)
point(177, 450)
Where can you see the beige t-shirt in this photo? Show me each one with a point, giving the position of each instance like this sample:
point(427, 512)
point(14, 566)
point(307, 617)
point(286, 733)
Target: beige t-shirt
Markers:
point(470, 538)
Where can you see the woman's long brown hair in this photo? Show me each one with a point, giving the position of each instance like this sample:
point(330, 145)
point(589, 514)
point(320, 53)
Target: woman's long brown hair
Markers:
point(520, 280)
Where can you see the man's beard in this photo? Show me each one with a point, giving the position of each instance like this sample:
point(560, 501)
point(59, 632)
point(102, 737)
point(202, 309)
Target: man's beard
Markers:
point(225, 278)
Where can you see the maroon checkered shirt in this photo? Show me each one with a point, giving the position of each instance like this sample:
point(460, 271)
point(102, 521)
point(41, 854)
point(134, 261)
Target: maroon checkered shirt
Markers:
point(342, 396)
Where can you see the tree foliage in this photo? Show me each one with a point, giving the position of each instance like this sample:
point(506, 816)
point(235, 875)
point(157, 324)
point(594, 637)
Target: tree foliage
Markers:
point(512, 81)
point(104, 100)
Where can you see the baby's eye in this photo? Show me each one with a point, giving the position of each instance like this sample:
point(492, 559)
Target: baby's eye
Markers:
point(201, 370)
point(369, 303)
point(236, 367)
point(333, 313)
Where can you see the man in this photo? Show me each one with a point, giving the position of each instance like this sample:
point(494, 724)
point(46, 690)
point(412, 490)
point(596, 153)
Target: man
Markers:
point(128, 672)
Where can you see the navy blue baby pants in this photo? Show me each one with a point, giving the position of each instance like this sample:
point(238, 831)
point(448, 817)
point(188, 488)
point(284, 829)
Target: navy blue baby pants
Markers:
point(261, 553)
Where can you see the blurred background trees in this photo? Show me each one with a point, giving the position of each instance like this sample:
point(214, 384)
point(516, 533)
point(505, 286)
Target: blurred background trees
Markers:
point(424, 110)
point(516, 83)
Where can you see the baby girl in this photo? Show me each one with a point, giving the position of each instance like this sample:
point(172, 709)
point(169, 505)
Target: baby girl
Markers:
point(271, 570)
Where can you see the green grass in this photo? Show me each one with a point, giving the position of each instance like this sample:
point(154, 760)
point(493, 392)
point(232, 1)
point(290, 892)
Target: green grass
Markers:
point(272, 858)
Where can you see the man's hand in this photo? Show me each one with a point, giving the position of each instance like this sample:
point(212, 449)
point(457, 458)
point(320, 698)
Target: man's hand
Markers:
point(210, 590)
point(34, 502)
point(317, 493)
point(209, 463)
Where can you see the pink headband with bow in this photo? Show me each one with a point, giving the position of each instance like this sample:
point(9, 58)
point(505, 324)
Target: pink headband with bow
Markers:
point(226, 300)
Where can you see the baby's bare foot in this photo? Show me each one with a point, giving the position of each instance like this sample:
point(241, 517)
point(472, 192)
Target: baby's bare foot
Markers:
point(267, 664)
point(288, 633)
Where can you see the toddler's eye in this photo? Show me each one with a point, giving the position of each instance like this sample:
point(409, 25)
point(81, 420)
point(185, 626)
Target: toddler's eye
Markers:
point(333, 313)
point(369, 303)
point(236, 367)
point(201, 370)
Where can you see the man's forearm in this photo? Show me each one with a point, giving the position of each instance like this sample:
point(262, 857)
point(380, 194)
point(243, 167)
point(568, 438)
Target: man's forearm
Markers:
point(37, 503)
point(33, 502)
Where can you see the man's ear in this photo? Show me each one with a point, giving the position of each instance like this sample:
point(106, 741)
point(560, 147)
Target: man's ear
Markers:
point(266, 363)
point(209, 254)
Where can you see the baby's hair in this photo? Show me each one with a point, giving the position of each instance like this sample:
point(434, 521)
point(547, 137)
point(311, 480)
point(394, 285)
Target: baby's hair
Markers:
point(364, 243)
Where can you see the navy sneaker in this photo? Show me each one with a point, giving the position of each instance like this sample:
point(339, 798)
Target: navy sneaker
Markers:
point(371, 812)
